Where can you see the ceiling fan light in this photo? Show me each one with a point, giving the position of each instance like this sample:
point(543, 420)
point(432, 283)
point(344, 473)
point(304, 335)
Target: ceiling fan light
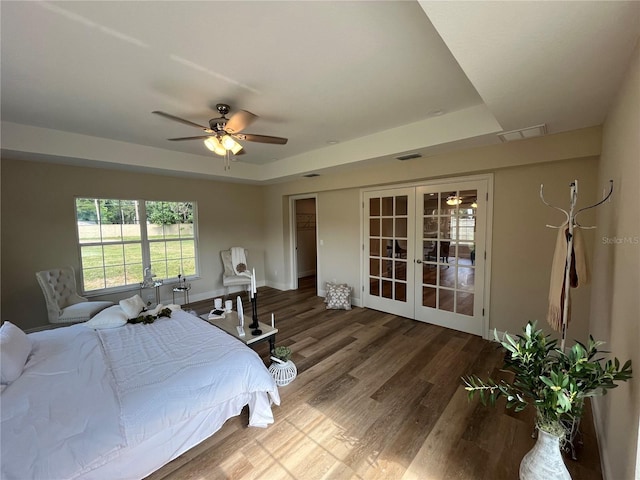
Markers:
point(213, 144)
point(236, 148)
point(209, 143)
point(228, 143)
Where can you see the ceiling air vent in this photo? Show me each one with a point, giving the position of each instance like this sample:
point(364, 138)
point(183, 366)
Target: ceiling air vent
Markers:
point(311, 175)
point(408, 156)
point(529, 132)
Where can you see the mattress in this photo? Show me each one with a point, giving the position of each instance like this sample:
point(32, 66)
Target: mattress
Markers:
point(120, 403)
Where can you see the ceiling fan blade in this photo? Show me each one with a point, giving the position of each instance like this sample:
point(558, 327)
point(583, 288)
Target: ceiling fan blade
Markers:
point(199, 137)
point(250, 137)
point(180, 120)
point(239, 121)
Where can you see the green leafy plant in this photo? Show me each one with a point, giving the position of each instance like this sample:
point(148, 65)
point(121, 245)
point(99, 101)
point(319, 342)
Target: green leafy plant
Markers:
point(282, 353)
point(554, 382)
point(147, 319)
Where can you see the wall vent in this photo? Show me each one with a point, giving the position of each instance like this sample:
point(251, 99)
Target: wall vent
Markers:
point(529, 132)
point(409, 156)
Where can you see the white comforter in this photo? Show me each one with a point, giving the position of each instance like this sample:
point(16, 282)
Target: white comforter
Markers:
point(122, 402)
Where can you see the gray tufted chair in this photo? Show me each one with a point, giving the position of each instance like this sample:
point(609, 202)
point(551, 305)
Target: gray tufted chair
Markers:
point(64, 305)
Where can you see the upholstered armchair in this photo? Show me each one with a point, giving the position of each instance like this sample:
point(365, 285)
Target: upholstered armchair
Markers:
point(64, 305)
point(229, 277)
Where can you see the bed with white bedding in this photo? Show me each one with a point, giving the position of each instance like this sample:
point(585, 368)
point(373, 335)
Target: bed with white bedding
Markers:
point(119, 403)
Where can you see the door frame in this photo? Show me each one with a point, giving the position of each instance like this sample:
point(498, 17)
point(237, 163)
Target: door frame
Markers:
point(293, 241)
point(488, 177)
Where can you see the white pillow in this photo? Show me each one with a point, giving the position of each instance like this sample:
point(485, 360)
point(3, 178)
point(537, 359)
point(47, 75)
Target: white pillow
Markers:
point(111, 317)
point(132, 306)
point(15, 347)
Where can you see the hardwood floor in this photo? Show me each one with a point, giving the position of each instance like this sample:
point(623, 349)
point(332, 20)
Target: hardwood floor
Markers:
point(377, 397)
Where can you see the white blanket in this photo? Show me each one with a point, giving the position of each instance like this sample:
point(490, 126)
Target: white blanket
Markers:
point(115, 404)
point(239, 262)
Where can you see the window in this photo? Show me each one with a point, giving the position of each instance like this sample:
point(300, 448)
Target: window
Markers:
point(115, 246)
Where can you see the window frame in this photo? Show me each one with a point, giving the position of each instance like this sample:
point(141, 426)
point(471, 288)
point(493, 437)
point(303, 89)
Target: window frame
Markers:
point(144, 244)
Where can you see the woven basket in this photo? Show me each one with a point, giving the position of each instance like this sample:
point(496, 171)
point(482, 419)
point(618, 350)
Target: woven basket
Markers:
point(283, 372)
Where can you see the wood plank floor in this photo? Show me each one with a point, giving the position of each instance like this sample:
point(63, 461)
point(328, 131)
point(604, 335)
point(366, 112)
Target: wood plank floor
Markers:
point(377, 397)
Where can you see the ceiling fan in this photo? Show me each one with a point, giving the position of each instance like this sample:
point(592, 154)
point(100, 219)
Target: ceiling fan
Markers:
point(222, 133)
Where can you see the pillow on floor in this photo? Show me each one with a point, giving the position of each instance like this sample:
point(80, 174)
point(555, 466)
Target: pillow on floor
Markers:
point(338, 296)
point(15, 347)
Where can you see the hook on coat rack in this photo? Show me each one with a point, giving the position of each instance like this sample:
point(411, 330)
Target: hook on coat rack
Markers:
point(570, 216)
point(605, 198)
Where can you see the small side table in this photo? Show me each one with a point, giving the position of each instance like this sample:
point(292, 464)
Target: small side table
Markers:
point(185, 292)
point(156, 284)
point(230, 322)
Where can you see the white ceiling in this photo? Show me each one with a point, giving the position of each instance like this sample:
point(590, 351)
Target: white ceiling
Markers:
point(80, 79)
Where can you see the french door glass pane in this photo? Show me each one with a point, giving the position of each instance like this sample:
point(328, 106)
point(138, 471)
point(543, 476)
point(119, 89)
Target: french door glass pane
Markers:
point(446, 299)
point(374, 247)
point(387, 268)
point(374, 227)
point(387, 206)
point(430, 203)
point(374, 286)
point(429, 296)
point(387, 289)
point(374, 267)
point(374, 207)
point(464, 303)
point(429, 274)
point(446, 276)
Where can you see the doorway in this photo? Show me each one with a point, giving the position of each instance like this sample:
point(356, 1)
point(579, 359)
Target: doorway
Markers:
point(304, 241)
point(425, 252)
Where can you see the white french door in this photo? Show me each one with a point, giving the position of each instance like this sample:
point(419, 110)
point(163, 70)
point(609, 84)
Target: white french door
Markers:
point(389, 245)
point(425, 253)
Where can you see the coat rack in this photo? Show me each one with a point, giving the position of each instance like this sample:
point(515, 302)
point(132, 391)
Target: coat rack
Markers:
point(571, 223)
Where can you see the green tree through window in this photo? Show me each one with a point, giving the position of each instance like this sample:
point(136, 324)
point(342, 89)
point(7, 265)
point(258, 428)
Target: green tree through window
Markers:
point(115, 246)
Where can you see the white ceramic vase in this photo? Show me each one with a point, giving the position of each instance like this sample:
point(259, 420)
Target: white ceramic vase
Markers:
point(544, 461)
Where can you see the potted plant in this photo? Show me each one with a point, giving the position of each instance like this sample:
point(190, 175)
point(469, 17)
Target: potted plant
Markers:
point(282, 353)
point(283, 370)
point(554, 382)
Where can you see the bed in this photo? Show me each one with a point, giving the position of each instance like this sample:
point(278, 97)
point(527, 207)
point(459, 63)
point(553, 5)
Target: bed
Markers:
point(119, 403)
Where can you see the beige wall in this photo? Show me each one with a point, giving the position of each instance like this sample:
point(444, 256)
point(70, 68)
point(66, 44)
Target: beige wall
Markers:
point(615, 309)
point(523, 246)
point(38, 226)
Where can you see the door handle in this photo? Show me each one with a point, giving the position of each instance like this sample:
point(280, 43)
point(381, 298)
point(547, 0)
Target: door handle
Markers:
point(418, 261)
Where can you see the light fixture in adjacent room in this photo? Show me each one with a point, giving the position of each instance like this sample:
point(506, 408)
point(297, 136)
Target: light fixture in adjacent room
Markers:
point(454, 200)
point(474, 204)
